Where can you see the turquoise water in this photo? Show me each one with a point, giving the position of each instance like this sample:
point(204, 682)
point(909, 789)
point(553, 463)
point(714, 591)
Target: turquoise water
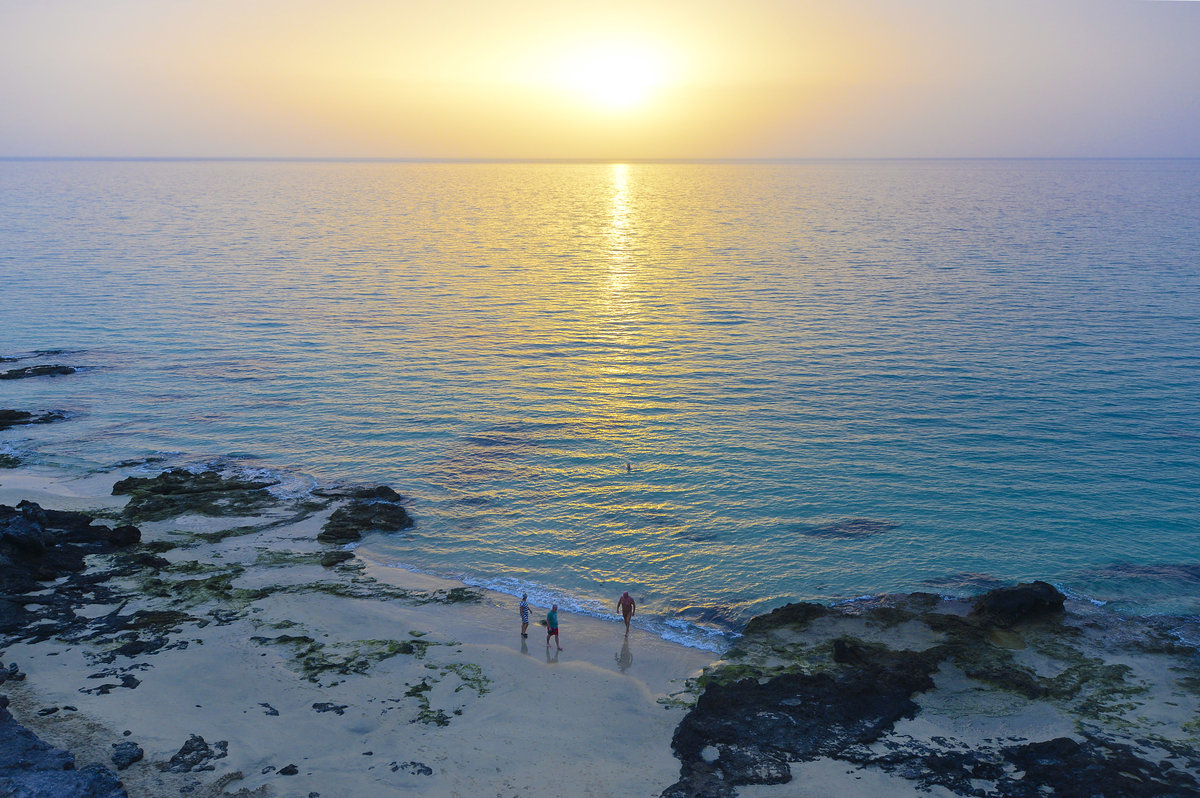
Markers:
point(827, 379)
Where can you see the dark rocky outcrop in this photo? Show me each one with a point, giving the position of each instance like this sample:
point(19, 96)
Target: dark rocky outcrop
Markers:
point(329, 559)
point(412, 768)
point(799, 614)
point(792, 692)
point(31, 768)
point(37, 545)
point(196, 755)
point(377, 509)
point(179, 491)
point(11, 674)
point(746, 732)
point(1068, 767)
point(17, 418)
point(1007, 606)
point(126, 753)
point(36, 371)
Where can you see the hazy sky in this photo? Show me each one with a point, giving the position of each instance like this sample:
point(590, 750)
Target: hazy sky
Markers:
point(611, 79)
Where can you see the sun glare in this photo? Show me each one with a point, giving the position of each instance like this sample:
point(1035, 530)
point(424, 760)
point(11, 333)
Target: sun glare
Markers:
point(616, 77)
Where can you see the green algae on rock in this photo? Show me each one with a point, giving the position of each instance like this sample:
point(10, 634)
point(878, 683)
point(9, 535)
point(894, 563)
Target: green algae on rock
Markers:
point(470, 676)
point(133, 603)
point(179, 491)
point(1011, 696)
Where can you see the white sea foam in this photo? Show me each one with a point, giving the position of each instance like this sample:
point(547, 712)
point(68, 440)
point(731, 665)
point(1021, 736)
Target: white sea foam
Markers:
point(542, 598)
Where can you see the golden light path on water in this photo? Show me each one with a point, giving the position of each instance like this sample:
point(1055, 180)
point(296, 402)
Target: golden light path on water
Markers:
point(617, 377)
point(773, 348)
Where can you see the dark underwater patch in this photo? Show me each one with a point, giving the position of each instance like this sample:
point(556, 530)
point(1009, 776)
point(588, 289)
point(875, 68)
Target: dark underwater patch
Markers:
point(849, 528)
point(1186, 573)
point(728, 616)
point(965, 583)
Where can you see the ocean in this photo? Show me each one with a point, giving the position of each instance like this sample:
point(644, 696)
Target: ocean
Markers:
point(720, 386)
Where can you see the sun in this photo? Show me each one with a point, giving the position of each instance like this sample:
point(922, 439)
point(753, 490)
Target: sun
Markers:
point(616, 77)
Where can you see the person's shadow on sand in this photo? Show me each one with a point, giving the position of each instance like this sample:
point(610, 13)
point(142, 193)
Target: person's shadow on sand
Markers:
point(624, 657)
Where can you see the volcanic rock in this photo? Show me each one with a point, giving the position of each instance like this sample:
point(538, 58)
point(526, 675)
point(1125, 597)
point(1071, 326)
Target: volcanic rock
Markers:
point(31, 767)
point(368, 510)
point(36, 371)
point(16, 418)
point(1007, 606)
point(180, 491)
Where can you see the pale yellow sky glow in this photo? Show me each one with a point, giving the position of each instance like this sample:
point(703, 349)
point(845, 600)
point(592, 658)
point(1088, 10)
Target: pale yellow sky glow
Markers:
point(614, 75)
point(611, 80)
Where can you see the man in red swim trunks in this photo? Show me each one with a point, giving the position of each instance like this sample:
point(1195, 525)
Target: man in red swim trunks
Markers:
point(628, 607)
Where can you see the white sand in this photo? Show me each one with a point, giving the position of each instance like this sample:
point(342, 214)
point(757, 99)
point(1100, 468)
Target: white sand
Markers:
point(520, 719)
point(539, 724)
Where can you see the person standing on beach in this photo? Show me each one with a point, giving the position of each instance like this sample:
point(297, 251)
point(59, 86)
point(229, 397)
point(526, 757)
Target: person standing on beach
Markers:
point(524, 615)
point(552, 627)
point(628, 607)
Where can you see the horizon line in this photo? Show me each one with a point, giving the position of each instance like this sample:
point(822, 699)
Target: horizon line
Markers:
point(502, 160)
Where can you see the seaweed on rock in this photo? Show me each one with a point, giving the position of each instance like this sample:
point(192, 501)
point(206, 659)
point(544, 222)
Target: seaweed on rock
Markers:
point(793, 691)
point(178, 491)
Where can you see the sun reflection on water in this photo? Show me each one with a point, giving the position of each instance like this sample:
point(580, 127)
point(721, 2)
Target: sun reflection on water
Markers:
point(620, 261)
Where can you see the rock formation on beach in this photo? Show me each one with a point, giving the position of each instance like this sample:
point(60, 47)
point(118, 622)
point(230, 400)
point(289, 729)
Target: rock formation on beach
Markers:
point(378, 509)
point(1005, 696)
point(31, 767)
point(178, 491)
point(37, 545)
point(73, 578)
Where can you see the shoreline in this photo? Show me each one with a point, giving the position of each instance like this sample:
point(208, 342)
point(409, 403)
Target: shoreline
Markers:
point(326, 664)
point(241, 649)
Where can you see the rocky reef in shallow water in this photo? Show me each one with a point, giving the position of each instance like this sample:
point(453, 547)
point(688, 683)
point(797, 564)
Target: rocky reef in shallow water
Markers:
point(127, 599)
point(378, 509)
point(46, 370)
point(1008, 695)
point(38, 545)
point(19, 418)
point(179, 491)
point(31, 767)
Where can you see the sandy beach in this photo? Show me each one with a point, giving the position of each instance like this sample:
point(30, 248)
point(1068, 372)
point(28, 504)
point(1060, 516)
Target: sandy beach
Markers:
point(346, 681)
point(233, 644)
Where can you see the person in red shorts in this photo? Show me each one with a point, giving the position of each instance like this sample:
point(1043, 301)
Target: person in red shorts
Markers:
point(552, 627)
